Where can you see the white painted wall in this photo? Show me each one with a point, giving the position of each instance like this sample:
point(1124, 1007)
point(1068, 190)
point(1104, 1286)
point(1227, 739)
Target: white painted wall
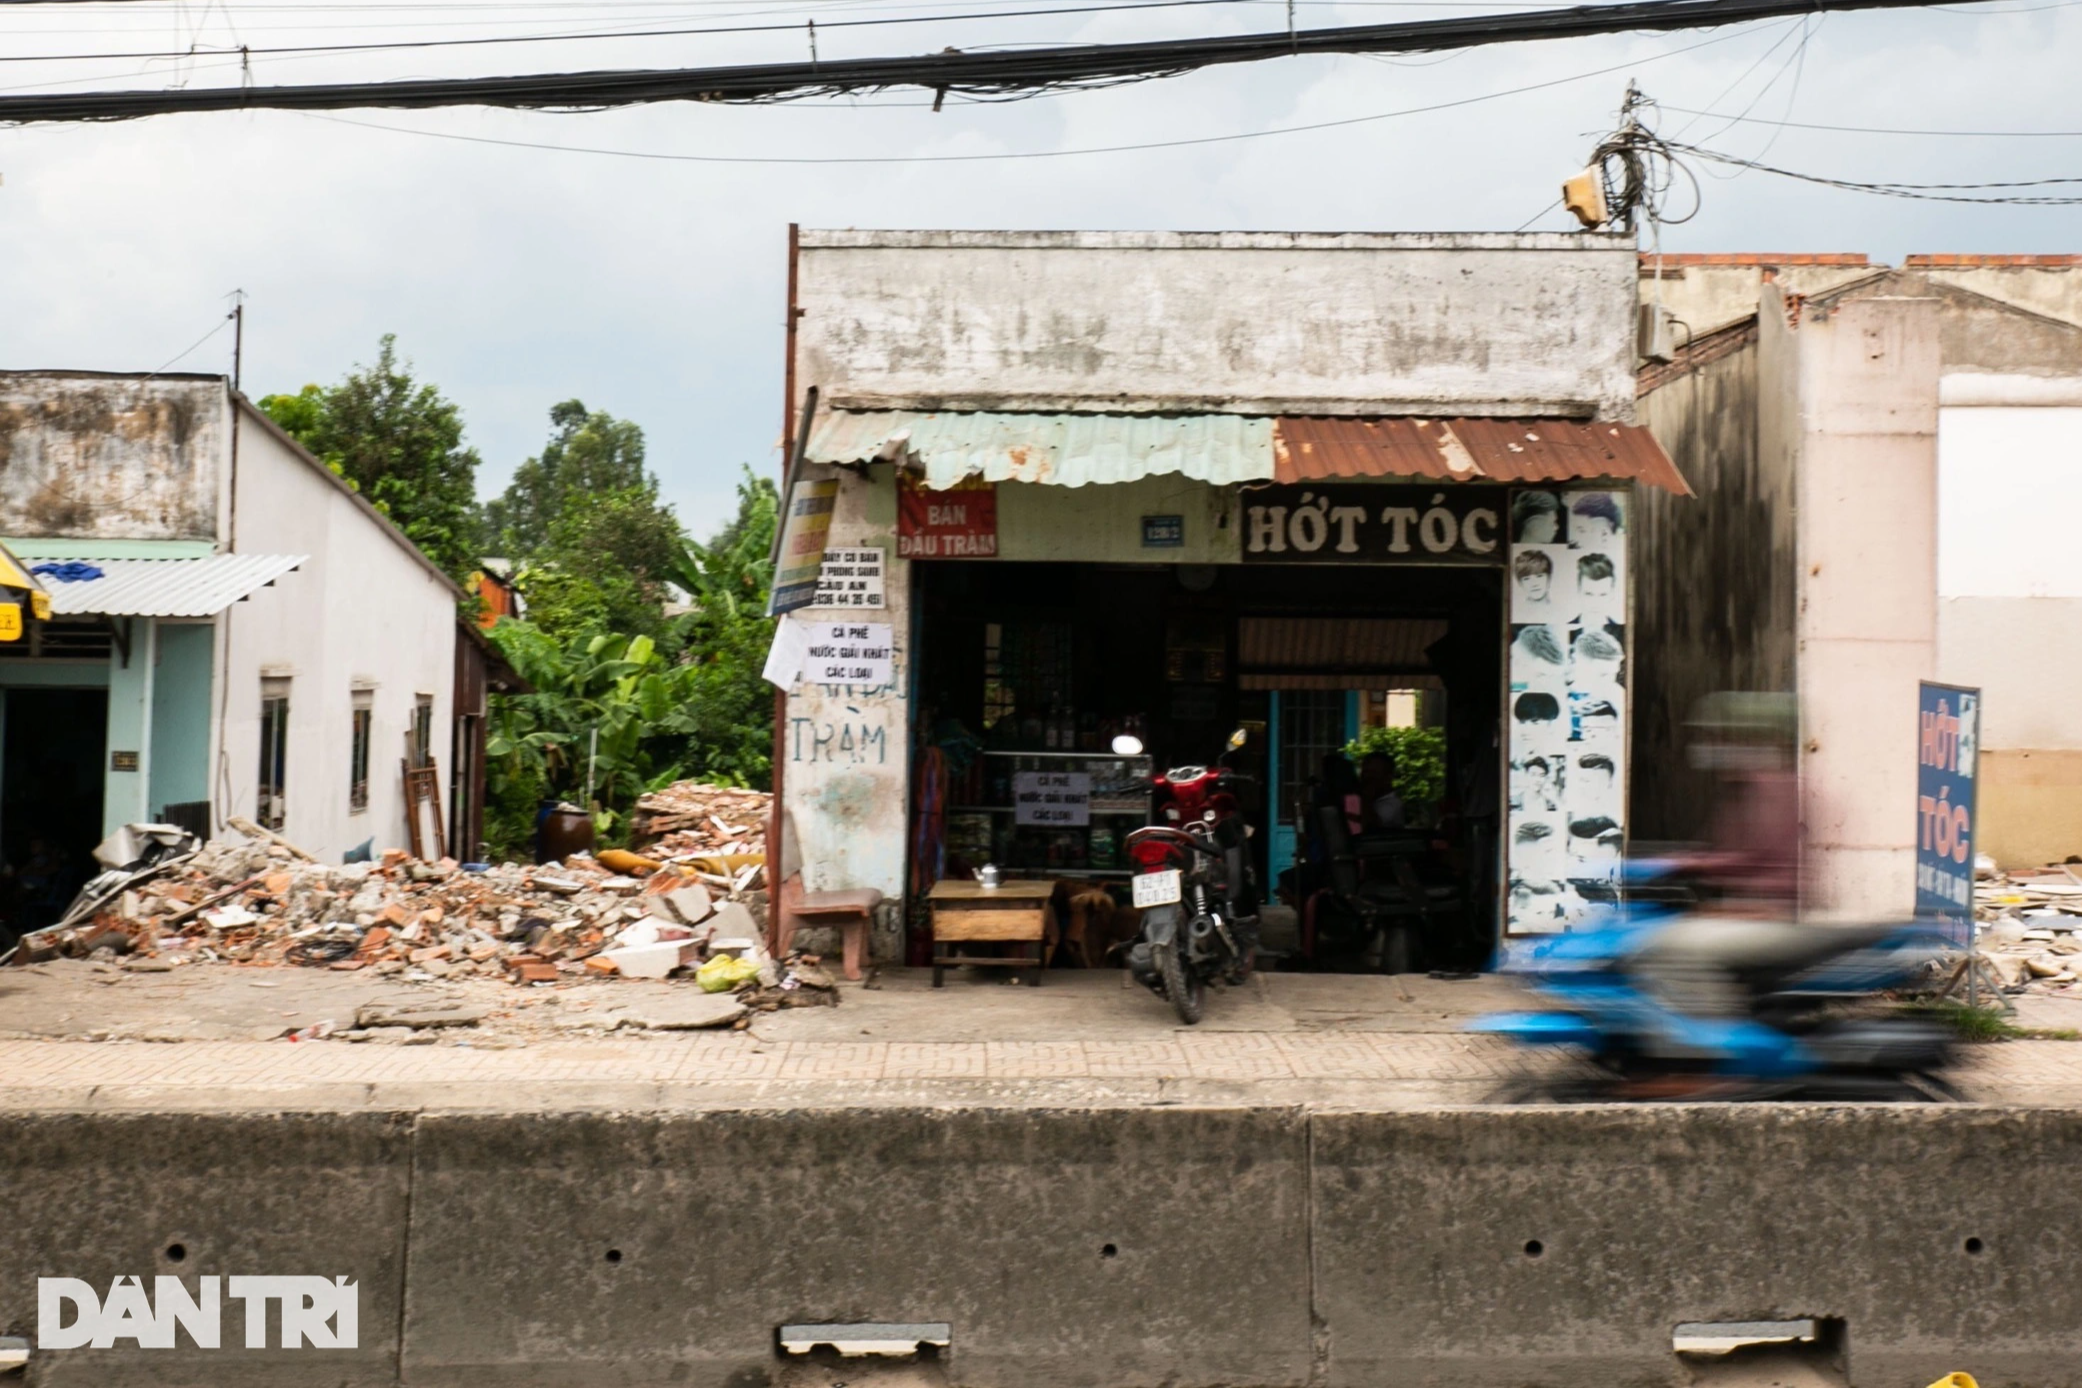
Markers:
point(1250, 323)
point(845, 765)
point(2010, 499)
point(361, 609)
point(1857, 406)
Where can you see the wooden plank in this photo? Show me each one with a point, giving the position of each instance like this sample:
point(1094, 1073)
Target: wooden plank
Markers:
point(955, 889)
point(954, 923)
point(1010, 961)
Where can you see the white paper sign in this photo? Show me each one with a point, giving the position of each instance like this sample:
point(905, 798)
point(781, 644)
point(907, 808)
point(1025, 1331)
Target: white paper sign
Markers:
point(784, 658)
point(849, 653)
point(850, 578)
point(1061, 799)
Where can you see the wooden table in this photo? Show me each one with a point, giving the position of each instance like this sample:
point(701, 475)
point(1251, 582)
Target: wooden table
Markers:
point(1014, 912)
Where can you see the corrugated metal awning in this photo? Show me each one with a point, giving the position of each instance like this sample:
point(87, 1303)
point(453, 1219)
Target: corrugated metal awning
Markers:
point(168, 587)
point(1075, 450)
point(1473, 450)
point(1065, 450)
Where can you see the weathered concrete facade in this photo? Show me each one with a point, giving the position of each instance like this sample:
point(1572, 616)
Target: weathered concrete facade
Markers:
point(1243, 322)
point(88, 455)
point(1858, 416)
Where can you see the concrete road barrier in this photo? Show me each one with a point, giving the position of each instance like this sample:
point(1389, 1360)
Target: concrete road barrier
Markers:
point(1562, 1247)
point(1096, 1247)
point(101, 1196)
point(1070, 1248)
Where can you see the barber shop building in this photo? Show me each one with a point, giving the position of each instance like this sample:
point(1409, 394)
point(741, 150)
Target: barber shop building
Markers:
point(1342, 492)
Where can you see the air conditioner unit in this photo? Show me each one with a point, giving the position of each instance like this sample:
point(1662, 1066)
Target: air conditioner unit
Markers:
point(1655, 337)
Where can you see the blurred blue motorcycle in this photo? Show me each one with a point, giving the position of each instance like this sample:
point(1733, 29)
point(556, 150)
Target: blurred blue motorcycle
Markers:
point(1669, 1004)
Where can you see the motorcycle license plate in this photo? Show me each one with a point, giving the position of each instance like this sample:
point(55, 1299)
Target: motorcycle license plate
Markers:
point(1158, 888)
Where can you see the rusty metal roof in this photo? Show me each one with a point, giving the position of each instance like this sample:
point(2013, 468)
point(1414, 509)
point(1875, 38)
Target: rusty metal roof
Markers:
point(1067, 450)
point(1075, 450)
point(1472, 450)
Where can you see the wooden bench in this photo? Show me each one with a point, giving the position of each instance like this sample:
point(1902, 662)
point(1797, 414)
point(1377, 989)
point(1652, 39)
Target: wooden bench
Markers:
point(853, 912)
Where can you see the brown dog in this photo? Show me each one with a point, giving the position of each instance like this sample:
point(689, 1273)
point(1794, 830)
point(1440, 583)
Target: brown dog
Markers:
point(1090, 914)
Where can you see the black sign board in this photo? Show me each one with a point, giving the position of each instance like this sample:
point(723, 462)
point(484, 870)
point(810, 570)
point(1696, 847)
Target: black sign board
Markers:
point(1347, 524)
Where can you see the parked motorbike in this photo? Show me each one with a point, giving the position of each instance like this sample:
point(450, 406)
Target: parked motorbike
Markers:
point(1668, 1003)
point(1195, 887)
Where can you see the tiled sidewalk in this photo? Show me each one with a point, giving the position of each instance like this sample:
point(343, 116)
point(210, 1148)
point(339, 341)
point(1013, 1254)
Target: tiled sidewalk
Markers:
point(1252, 1067)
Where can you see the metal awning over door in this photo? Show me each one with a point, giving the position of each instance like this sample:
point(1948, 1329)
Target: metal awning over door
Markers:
point(1075, 450)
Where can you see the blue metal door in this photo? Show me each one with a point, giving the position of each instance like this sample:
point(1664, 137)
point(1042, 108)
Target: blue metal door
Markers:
point(1307, 725)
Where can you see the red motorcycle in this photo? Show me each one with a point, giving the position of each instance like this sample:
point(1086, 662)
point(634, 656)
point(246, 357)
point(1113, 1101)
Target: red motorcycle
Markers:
point(1194, 886)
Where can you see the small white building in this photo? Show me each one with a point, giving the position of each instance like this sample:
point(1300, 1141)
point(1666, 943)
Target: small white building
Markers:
point(235, 632)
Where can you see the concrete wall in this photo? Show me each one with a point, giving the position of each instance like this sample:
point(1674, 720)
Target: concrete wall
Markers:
point(1852, 386)
point(1254, 323)
point(1189, 1246)
point(1707, 292)
point(2049, 286)
point(1103, 525)
point(1713, 576)
point(846, 757)
point(363, 611)
point(88, 456)
point(125, 797)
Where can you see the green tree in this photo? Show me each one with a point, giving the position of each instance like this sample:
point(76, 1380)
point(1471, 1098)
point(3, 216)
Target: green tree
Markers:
point(689, 703)
point(583, 520)
point(726, 634)
point(399, 442)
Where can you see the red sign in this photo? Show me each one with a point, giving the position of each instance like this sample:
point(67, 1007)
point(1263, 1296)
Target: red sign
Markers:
point(961, 523)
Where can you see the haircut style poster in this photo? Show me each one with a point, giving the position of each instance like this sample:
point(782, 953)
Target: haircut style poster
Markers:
point(1567, 711)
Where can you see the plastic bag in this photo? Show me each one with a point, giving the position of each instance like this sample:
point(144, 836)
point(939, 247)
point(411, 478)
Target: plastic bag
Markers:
point(722, 973)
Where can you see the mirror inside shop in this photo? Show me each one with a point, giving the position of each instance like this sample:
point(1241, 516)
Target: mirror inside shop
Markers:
point(1353, 715)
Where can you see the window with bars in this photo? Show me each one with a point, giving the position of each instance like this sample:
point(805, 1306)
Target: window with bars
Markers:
point(274, 752)
point(358, 768)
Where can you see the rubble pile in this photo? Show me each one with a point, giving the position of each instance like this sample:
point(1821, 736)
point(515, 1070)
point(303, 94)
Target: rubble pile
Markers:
point(2031, 927)
point(691, 820)
point(259, 900)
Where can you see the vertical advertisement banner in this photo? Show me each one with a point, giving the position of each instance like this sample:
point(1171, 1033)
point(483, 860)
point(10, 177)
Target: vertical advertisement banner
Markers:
point(1566, 712)
point(804, 531)
point(1948, 739)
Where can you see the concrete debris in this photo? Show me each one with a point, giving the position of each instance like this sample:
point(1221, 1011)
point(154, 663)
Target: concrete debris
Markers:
point(691, 820)
point(2030, 925)
point(252, 899)
point(417, 1015)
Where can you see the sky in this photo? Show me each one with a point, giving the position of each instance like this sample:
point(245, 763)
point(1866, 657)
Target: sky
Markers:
point(654, 287)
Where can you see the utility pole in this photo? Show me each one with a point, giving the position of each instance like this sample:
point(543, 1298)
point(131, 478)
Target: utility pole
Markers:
point(238, 336)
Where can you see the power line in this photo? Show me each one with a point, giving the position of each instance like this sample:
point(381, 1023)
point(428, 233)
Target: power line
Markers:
point(1035, 153)
point(1002, 73)
point(1927, 192)
point(393, 44)
point(1887, 130)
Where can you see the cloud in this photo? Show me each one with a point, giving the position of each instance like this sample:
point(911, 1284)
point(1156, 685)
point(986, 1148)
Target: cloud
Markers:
point(516, 278)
